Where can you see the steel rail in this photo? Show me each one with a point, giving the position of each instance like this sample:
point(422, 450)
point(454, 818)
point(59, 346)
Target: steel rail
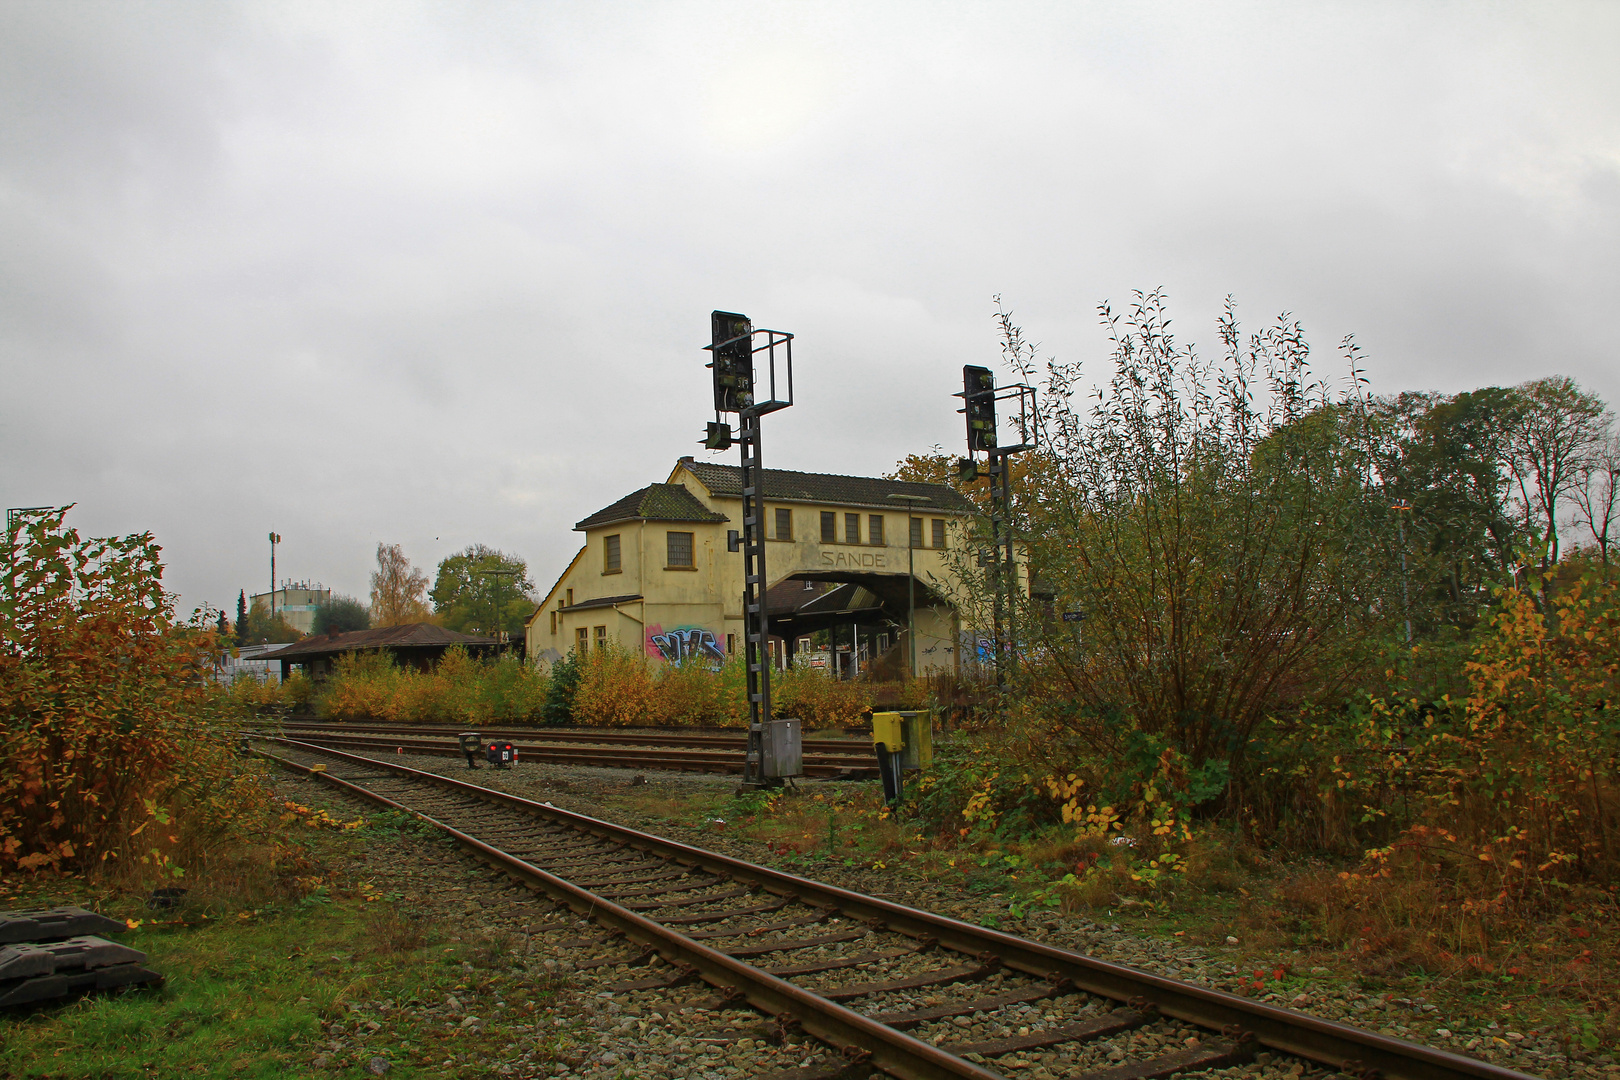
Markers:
point(1338, 1046)
point(603, 757)
point(707, 738)
point(892, 1051)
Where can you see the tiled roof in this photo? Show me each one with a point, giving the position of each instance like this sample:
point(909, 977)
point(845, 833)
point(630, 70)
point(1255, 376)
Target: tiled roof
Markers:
point(655, 502)
point(601, 601)
point(781, 485)
point(408, 636)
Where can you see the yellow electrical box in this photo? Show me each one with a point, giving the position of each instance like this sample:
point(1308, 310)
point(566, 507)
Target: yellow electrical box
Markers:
point(908, 734)
point(887, 731)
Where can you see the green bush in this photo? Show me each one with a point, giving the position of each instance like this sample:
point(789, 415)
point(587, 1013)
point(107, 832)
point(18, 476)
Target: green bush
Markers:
point(558, 706)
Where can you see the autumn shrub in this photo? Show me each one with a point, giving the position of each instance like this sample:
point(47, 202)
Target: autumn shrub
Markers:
point(694, 693)
point(515, 691)
point(818, 698)
point(250, 696)
point(362, 686)
point(616, 689)
point(1514, 804)
point(115, 744)
point(460, 690)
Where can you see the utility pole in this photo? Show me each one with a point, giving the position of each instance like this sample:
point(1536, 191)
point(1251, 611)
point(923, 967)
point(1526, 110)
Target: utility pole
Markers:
point(732, 350)
point(494, 606)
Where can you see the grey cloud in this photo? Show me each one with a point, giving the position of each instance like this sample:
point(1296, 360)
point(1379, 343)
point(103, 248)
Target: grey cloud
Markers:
point(398, 272)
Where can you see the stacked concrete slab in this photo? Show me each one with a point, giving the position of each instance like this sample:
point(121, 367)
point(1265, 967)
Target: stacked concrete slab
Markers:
point(55, 952)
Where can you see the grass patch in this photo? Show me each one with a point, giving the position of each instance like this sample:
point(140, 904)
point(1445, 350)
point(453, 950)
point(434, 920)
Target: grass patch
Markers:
point(320, 985)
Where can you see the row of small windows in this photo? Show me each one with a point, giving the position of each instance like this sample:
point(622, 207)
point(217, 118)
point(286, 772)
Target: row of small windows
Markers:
point(679, 548)
point(852, 529)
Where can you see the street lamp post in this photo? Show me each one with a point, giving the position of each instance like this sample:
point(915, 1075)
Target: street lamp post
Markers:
point(911, 502)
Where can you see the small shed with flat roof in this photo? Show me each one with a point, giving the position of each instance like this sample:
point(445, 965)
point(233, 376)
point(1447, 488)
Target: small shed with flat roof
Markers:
point(416, 645)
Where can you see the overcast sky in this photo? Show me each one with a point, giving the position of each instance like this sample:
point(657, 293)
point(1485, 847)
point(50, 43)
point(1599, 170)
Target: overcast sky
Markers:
point(441, 274)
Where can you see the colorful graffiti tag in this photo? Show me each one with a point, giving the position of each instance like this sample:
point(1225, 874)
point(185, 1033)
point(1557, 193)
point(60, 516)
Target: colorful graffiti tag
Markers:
point(684, 643)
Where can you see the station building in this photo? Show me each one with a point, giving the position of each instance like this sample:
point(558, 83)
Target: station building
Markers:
point(656, 576)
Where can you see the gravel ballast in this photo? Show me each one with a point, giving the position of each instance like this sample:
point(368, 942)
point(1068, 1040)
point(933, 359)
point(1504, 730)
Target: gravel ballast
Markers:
point(677, 1033)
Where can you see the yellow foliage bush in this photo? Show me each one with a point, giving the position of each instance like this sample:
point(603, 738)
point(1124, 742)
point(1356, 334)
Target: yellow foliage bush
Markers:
point(619, 688)
point(616, 689)
point(1515, 810)
point(114, 744)
point(819, 699)
point(460, 690)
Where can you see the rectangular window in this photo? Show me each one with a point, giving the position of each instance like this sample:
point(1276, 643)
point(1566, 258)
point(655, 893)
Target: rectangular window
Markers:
point(829, 527)
point(570, 595)
point(939, 532)
point(784, 523)
point(731, 644)
point(610, 554)
point(852, 528)
point(874, 530)
point(679, 549)
point(601, 638)
point(916, 532)
point(553, 622)
point(582, 639)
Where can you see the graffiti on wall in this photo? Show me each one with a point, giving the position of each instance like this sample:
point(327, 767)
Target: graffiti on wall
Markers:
point(684, 643)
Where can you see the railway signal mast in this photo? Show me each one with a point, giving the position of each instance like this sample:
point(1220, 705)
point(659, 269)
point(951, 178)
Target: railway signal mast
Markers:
point(979, 396)
point(732, 346)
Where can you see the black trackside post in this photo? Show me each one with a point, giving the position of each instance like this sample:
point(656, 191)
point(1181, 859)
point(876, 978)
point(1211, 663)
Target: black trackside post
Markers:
point(1011, 564)
point(740, 388)
point(756, 649)
point(998, 472)
point(979, 396)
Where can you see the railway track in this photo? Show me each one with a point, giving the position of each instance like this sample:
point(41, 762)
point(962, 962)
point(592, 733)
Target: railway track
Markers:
point(706, 738)
point(620, 756)
point(882, 985)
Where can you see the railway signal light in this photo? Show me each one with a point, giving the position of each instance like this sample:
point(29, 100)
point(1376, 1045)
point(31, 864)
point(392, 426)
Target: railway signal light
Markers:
point(967, 470)
point(979, 395)
point(718, 436)
point(732, 347)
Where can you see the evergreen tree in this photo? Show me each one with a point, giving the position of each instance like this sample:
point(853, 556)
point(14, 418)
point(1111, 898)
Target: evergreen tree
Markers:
point(241, 613)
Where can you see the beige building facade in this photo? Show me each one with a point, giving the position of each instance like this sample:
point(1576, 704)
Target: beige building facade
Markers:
point(296, 603)
point(656, 574)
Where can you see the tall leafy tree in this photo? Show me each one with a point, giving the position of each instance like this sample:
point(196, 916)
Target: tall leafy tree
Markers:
point(262, 628)
point(341, 614)
point(1447, 458)
point(1558, 426)
point(397, 589)
point(1597, 495)
point(1216, 523)
point(482, 589)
